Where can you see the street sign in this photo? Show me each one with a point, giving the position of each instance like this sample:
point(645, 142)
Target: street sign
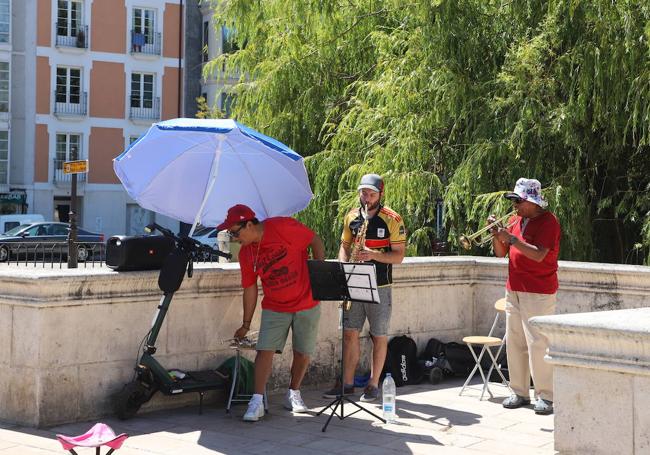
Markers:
point(75, 167)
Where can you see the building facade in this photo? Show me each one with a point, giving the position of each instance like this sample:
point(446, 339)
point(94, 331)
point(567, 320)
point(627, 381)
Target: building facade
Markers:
point(215, 40)
point(86, 78)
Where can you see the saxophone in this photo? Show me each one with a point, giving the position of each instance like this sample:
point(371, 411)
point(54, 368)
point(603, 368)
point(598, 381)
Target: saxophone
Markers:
point(360, 239)
point(359, 244)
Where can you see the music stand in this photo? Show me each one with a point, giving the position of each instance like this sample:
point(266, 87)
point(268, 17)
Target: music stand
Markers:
point(343, 281)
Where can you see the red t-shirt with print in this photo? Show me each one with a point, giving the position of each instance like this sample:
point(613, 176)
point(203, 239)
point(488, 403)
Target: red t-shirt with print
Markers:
point(280, 260)
point(524, 274)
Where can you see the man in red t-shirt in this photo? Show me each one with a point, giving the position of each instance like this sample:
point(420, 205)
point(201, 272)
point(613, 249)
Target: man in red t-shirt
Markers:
point(532, 242)
point(275, 250)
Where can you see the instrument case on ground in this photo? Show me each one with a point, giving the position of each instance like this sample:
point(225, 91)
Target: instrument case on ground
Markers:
point(137, 252)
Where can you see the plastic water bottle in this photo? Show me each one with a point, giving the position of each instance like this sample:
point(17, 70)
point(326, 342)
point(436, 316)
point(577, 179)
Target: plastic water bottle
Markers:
point(388, 396)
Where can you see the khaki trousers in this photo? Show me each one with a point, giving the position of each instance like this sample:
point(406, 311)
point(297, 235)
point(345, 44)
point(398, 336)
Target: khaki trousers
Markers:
point(525, 344)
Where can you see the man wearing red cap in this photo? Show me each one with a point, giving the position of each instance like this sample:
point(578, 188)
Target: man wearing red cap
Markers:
point(276, 251)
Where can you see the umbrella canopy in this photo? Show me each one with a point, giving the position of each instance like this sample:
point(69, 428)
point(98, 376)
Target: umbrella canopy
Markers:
point(194, 170)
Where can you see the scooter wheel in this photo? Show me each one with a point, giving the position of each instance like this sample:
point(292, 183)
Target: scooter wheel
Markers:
point(435, 375)
point(127, 401)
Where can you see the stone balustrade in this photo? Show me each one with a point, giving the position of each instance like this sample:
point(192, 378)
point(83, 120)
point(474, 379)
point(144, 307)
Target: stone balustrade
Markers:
point(69, 338)
point(601, 380)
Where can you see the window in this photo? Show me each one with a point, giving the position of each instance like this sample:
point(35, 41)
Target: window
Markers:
point(4, 157)
point(5, 17)
point(68, 85)
point(68, 148)
point(226, 104)
point(228, 43)
point(4, 86)
point(69, 18)
point(142, 90)
point(205, 41)
point(143, 28)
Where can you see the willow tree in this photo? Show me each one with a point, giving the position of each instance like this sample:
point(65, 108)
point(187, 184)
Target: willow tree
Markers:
point(455, 100)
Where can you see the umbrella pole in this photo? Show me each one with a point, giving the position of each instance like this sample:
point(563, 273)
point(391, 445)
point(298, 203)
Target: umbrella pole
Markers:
point(213, 178)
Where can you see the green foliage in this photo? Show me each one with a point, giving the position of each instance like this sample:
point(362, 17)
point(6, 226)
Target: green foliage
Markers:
point(455, 100)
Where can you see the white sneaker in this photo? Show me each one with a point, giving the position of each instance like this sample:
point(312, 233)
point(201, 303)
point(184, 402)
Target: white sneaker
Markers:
point(255, 411)
point(293, 401)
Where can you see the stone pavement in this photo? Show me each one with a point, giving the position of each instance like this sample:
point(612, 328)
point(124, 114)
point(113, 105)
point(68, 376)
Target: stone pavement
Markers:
point(431, 419)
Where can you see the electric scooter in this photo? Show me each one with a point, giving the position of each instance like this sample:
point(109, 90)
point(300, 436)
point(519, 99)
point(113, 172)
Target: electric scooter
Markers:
point(150, 376)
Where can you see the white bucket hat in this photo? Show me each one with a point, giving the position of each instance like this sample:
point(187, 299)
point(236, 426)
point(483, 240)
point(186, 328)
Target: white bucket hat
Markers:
point(529, 190)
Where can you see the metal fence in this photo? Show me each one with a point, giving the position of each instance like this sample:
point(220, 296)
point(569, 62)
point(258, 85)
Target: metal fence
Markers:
point(145, 43)
point(55, 254)
point(91, 254)
point(75, 104)
point(145, 110)
point(71, 37)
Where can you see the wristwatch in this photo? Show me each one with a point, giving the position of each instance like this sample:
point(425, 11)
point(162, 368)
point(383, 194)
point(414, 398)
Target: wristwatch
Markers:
point(513, 239)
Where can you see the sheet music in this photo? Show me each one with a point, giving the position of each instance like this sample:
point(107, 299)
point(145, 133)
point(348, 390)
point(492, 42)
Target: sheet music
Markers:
point(362, 281)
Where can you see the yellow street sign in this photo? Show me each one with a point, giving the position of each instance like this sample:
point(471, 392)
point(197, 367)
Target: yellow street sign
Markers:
point(75, 167)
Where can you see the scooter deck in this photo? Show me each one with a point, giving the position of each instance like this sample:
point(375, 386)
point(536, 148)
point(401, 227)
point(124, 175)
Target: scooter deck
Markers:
point(198, 381)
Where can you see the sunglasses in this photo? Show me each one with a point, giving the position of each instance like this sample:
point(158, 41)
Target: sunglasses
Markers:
point(235, 234)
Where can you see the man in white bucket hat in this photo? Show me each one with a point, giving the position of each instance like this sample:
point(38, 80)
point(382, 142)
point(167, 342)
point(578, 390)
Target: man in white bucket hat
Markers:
point(532, 243)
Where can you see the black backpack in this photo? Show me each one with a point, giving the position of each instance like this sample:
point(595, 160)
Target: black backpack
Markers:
point(402, 361)
point(456, 357)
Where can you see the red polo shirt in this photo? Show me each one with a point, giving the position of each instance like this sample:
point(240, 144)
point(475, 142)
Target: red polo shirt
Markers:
point(526, 275)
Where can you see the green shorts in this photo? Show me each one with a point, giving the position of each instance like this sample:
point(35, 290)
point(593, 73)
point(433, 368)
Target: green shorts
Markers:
point(274, 330)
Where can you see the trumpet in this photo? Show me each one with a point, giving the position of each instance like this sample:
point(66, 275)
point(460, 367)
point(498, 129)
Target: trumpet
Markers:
point(483, 236)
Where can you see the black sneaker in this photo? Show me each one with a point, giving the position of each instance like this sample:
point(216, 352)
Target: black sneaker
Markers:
point(371, 393)
point(335, 391)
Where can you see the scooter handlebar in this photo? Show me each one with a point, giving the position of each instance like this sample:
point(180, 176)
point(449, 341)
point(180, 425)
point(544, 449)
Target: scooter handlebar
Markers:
point(187, 243)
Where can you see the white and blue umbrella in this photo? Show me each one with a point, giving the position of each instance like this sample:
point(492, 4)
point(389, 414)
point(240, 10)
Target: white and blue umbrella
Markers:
point(194, 170)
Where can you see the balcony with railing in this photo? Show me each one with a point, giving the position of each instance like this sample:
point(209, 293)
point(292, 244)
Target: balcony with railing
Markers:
point(145, 43)
point(145, 109)
point(66, 36)
point(72, 105)
point(59, 177)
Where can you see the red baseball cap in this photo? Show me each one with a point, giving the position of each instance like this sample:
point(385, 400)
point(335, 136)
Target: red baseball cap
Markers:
point(236, 214)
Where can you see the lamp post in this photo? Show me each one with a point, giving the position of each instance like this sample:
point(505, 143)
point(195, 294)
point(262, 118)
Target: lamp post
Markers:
point(72, 234)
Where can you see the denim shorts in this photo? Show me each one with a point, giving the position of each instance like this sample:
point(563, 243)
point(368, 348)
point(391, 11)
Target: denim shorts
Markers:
point(378, 314)
point(274, 330)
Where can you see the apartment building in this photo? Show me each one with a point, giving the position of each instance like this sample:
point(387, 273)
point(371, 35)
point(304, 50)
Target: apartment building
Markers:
point(81, 79)
point(215, 40)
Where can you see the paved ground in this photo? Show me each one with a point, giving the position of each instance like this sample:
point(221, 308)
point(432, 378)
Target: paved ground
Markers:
point(432, 419)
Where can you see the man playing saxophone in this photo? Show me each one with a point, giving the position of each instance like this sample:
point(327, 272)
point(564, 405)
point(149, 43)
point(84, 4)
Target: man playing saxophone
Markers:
point(371, 233)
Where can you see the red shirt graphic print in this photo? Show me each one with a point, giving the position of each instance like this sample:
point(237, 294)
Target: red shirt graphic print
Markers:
point(280, 260)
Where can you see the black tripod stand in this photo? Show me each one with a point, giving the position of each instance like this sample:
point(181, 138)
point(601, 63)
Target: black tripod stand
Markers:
point(343, 281)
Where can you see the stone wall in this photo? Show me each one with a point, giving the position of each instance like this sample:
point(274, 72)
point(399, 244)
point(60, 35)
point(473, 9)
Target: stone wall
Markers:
point(69, 338)
point(601, 381)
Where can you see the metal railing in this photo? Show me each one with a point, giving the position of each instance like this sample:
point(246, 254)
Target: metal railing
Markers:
point(50, 254)
point(71, 108)
point(71, 38)
point(53, 254)
point(145, 44)
point(59, 177)
point(151, 111)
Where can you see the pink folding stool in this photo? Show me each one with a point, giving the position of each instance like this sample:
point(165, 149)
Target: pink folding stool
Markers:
point(99, 435)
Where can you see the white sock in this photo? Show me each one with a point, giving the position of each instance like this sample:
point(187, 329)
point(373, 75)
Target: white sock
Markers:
point(257, 397)
point(293, 392)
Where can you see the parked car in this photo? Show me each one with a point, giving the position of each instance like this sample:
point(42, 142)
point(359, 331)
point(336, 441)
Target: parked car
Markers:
point(12, 220)
point(46, 238)
point(208, 236)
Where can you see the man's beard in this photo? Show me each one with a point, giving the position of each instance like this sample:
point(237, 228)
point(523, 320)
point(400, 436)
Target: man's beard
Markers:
point(370, 207)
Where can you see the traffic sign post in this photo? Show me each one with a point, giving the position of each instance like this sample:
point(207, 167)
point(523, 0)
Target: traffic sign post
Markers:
point(73, 167)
